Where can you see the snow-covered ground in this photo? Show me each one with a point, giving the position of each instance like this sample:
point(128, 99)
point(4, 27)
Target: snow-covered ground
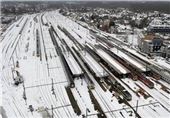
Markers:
point(45, 78)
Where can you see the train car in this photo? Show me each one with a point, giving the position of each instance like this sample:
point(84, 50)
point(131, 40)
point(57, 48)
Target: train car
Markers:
point(92, 53)
point(146, 81)
point(38, 47)
point(120, 89)
point(155, 75)
point(133, 76)
point(21, 30)
point(127, 96)
point(68, 71)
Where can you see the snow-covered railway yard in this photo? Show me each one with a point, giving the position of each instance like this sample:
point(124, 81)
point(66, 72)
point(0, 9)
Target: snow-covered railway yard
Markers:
point(54, 67)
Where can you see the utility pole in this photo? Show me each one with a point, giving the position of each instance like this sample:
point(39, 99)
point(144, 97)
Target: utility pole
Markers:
point(81, 81)
point(24, 94)
point(86, 112)
point(136, 108)
point(12, 73)
point(52, 111)
point(13, 61)
point(52, 88)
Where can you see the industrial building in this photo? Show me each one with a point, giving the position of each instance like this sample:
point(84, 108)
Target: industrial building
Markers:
point(159, 26)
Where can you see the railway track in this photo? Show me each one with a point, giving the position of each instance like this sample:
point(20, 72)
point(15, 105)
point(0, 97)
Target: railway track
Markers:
point(59, 97)
point(105, 104)
point(113, 81)
point(64, 63)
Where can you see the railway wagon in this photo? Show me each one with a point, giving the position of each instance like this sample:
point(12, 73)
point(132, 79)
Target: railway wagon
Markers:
point(119, 88)
point(68, 71)
point(127, 96)
point(146, 81)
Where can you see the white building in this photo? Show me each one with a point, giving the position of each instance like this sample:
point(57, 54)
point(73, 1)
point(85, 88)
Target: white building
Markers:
point(159, 26)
